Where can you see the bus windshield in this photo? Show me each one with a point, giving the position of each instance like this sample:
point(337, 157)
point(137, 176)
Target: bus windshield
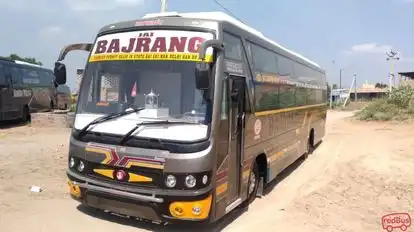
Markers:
point(125, 69)
point(112, 86)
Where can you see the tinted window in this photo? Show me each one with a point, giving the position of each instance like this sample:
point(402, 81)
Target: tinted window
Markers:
point(45, 77)
point(233, 47)
point(287, 96)
point(301, 96)
point(285, 66)
point(16, 75)
point(2, 75)
point(263, 60)
point(30, 76)
point(267, 97)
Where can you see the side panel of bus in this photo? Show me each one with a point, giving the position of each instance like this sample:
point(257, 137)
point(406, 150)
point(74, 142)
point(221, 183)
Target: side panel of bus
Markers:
point(286, 115)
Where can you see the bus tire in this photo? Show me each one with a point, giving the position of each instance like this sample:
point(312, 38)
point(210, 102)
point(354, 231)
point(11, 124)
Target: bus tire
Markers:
point(311, 142)
point(25, 114)
point(252, 187)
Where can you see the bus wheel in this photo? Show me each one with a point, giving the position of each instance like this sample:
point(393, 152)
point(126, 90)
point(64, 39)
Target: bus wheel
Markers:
point(253, 183)
point(311, 142)
point(25, 114)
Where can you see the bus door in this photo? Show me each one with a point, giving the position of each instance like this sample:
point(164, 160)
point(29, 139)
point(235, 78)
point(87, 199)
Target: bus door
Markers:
point(237, 117)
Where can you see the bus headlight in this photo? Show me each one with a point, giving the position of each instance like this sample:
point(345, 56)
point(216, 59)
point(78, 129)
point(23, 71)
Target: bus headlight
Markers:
point(205, 179)
point(190, 181)
point(171, 181)
point(72, 162)
point(81, 166)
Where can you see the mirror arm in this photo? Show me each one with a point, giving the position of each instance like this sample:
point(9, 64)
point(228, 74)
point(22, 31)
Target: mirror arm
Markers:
point(71, 47)
point(219, 46)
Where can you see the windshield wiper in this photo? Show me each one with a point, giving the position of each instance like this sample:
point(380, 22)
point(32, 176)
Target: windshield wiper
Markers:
point(128, 135)
point(107, 118)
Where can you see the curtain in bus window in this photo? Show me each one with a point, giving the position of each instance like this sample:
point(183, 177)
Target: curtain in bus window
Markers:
point(319, 96)
point(287, 96)
point(301, 96)
point(267, 97)
point(312, 96)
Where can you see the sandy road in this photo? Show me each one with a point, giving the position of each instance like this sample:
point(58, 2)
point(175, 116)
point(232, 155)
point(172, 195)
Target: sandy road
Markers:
point(360, 172)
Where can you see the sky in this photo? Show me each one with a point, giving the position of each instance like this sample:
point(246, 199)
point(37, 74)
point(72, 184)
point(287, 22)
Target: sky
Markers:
point(352, 35)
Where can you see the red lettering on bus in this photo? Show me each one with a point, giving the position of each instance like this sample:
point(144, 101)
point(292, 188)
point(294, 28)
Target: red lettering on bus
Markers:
point(130, 46)
point(177, 44)
point(143, 45)
point(113, 46)
point(159, 45)
point(194, 44)
point(101, 46)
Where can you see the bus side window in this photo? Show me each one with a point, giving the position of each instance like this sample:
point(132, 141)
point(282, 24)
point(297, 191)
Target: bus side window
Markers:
point(16, 75)
point(3, 82)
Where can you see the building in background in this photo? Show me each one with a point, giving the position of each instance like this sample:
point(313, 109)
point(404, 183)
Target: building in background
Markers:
point(79, 75)
point(407, 78)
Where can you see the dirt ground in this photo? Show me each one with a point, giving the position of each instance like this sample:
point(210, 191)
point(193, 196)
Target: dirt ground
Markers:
point(360, 172)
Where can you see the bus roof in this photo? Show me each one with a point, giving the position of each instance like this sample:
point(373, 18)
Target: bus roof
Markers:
point(220, 16)
point(27, 63)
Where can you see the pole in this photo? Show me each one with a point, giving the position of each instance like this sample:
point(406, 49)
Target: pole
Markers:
point(349, 92)
point(356, 94)
point(340, 78)
point(163, 5)
point(330, 97)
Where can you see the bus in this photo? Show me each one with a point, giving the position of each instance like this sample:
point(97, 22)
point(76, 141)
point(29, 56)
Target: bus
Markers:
point(25, 88)
point(183, 117)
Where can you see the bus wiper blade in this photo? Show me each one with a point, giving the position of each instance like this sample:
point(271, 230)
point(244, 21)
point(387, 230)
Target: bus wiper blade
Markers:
point(107, 118)
point(128, 135)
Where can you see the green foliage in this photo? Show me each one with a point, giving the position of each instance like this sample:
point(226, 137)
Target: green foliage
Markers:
point(73, 108)
point(31, 60)
point(399, 106)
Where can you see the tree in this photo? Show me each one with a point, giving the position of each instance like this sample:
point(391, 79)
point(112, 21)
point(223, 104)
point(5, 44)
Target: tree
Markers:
point(334, 86)
point(31, 60)
point(381, 85)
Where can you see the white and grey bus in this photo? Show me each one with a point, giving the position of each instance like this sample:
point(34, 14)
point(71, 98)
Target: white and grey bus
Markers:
point(186, 116)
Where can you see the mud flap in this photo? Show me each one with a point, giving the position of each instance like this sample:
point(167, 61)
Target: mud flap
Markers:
point(259, 192)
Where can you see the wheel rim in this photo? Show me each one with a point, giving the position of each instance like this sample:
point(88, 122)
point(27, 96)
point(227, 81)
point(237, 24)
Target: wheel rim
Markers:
point(252, 182)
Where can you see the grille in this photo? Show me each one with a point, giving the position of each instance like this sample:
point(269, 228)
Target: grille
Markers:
point(156, 175)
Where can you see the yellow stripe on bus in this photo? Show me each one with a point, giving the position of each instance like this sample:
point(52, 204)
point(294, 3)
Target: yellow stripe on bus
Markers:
point(149, 56)
point(269, 112)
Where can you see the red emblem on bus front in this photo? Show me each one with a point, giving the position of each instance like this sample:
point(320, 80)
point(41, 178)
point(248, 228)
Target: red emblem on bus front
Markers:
point(120, 175)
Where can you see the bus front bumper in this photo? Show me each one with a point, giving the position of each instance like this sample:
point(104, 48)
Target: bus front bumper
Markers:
point(160, 206)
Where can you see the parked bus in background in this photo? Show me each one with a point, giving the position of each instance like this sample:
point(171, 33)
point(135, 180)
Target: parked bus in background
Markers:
point(63, 97)
point(184, 117)
point(25, 88)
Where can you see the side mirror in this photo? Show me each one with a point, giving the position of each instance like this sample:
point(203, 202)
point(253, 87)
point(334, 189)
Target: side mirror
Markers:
point(60, 73)
point(202, 79)
point(202, 71)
